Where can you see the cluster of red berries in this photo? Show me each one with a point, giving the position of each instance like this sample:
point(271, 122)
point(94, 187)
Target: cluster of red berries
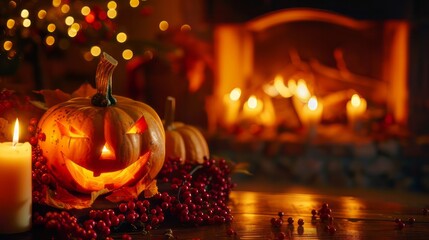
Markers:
point(6, 101)
point(10, 101)
point(401, 224)
point(325, 215)
point(276, 223)
point(197, 194)
point(41, 175)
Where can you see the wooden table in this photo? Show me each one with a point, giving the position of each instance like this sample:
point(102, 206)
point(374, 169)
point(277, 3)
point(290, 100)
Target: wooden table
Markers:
point(358, 214)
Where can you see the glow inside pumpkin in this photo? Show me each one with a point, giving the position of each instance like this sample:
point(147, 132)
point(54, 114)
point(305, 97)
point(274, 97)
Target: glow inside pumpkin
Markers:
point(89, 179)
point(102, 178)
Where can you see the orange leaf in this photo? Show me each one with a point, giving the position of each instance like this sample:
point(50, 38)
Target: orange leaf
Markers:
point(53, 97)
point(63, 199)
point(85, 90)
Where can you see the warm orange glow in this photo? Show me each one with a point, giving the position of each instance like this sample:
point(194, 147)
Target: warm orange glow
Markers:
point(15, 139)
point(355, 101)
point(41, 14)
point(296, 15)
point(281, 87)
point(7, 45)
point(356, 108)
point(139, 127)
point(270, 90)
point(252, 102)
point(92, 181)
point(302, 91)
point(111, 13)
point(312, 112)
point(163, 25)
point(185, 28)
point(312, 103)
point(10, 23)
point(85, 10)
point(106, 154)
point(235, 94)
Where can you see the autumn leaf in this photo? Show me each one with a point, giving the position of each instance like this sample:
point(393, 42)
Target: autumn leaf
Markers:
point(53, 97)
point(132, 192)
point(63, 199)
point(85, 90)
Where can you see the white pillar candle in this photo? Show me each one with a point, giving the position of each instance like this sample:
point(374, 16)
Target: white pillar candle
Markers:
point(356, 108)
point(15, 185)
point(312, 115)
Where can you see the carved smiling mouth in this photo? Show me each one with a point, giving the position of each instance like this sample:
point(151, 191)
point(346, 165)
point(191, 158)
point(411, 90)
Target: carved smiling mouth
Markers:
point(90, 180)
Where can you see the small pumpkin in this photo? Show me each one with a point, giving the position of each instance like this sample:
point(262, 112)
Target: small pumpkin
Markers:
point(183, 141)
point(103, 142)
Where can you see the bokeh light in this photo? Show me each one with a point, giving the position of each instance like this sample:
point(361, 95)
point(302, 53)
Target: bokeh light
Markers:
point(121, 37)
point(163, 25)
point(95, 51)
point(127, 54)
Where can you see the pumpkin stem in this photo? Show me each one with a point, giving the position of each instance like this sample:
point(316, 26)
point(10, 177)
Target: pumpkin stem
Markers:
point(103, 81)
point(170, 109)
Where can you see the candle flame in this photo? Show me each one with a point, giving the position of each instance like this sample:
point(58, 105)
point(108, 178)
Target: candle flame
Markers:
point(105, 150)
point(252, 102)
point(235, 94)
point(312, 103)
point(16, 133)
point(106, 154)
point(302, 91)
point(281, 87)
point(355, 101)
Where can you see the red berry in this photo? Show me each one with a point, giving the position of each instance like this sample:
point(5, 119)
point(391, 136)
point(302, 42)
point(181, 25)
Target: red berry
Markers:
point(332, 230)
point(230, 232)
point(411, 220)
point(300, 222)
point(290, 220)
point(126, 237)
point(33, 121)
point(123, 207)
point(33, 141)
point(281, 235)
point(41, 136)
point(400, 225)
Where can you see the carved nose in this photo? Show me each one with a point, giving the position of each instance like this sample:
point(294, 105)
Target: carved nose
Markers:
point(107, 154)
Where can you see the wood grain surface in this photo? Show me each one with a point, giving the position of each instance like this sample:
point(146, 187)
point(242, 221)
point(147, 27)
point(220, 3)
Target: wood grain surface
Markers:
point(358, 214)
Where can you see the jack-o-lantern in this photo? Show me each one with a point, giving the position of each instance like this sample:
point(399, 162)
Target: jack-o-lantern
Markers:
point(103, 142)
point(183, 141)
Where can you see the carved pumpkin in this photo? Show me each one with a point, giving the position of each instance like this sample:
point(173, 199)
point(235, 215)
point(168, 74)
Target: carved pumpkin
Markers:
point(102, 142)
point(183, 141)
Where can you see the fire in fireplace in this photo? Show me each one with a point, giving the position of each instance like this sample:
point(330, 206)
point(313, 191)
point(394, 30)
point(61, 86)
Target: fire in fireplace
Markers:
point(300, 67)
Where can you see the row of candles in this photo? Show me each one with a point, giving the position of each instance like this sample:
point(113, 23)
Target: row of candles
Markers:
point(15, 185)
point(307, 106)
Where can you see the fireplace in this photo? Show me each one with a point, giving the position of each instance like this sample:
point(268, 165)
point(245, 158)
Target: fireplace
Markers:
point(263, 64)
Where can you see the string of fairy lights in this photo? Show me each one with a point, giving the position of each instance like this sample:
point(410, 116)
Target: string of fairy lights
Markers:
point(60, 23)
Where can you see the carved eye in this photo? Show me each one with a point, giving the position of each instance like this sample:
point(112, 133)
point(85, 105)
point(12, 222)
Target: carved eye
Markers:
point(70, 131)
point(139, 127)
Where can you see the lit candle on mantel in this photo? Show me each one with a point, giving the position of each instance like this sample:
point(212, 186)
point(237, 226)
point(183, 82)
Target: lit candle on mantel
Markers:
point(252, 108)
point(232, 106)
point(356, 108)
point(312, 113)
point(15, 185)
